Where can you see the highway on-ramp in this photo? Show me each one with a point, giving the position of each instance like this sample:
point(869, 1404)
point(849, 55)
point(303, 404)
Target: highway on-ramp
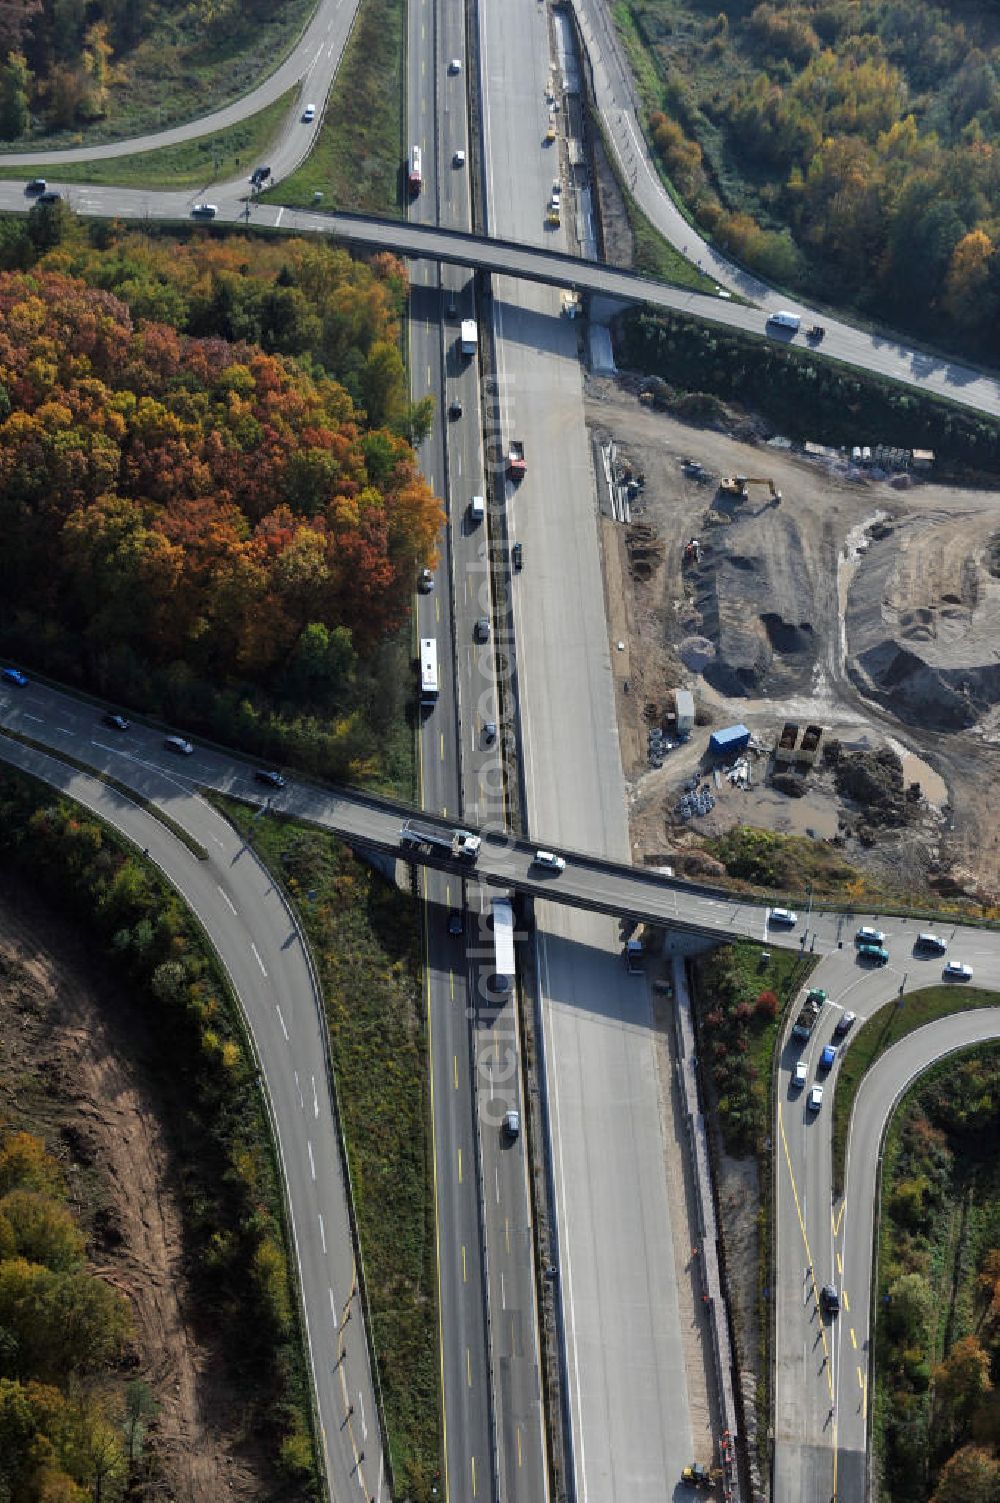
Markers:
point(822, 1364)
point(263, 953)
point(311, 64)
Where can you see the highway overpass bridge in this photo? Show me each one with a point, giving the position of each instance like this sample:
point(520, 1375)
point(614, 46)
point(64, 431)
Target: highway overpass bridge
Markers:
point(587, 881)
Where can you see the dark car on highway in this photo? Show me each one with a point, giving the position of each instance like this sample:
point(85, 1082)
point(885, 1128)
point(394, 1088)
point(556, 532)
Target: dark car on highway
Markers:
point(116, 722)
point(14, 676)
point(271, 778)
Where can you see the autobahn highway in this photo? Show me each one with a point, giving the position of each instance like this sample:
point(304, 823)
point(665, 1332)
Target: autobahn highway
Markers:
point(437, 123)
point(811, 1231)
point(820, 1408)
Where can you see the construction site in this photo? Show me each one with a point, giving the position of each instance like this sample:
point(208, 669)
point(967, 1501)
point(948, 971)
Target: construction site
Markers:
point(843, 615)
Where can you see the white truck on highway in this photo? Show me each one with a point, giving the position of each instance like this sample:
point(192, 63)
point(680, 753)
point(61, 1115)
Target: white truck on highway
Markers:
point(451, 842)
point(468, 339)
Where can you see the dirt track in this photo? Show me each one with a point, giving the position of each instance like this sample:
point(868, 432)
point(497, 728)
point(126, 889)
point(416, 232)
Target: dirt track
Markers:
point(74, 1068)
point(869, 607)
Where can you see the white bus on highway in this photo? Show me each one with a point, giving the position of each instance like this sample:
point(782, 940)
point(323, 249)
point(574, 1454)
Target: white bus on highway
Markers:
point(428, 670)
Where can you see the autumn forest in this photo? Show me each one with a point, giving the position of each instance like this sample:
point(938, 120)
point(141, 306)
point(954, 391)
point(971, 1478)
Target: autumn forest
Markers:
point(208, 498)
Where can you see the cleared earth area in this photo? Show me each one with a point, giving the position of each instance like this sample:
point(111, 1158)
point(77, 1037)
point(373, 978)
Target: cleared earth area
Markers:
point(78, 1067)
point(862, 603)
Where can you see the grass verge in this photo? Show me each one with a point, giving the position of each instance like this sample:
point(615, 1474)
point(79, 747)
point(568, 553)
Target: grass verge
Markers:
point(883, 1029)
point(357, 162)
point(190, 164)
point(365, 939)
point(654, 254)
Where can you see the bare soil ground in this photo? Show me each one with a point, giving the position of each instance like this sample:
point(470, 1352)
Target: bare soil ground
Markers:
point(868, 606)
point(76, 1068)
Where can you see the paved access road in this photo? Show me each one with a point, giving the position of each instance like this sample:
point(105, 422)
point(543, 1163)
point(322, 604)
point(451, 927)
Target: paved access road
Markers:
point(822, 1365)
point(261, 949)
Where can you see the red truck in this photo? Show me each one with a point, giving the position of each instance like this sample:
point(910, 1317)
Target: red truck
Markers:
point(516, 467)
point(415, 174)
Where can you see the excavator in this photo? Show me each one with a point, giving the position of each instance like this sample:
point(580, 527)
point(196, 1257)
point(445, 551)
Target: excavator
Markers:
point(696, 1475)
point(739, 486)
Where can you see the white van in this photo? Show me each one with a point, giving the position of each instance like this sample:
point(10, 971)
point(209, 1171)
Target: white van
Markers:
point(551, 860)
point(477, 509)
point(785, 321)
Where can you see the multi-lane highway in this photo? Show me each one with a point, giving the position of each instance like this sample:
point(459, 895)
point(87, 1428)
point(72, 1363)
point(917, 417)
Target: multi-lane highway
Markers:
point(812, 1234)
point(630, 1435)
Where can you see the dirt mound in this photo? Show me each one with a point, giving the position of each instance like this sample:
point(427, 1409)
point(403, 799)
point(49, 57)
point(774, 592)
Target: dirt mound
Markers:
point(755, 596)
point(923, 618)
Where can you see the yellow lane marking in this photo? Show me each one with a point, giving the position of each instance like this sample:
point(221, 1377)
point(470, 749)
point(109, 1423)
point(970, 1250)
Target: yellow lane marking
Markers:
point(460, 1166)
point(840, 1265)
point(519, 1458)
point(506, 1231)
point(854, 1341)
point(451, 981)
point(465, 1271)
point(805, 1242)
point(442, 746)
point(455, 1063)
point(437, 1222)
point(468, 1367)
point(847, 1303)
point(473, 1459)
point(839, 1216)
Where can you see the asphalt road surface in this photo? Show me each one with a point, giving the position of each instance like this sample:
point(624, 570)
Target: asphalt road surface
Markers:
point(311, 64)
point(629, 1416)
point(436, 123)
point(822, 1365)
point(261, 949)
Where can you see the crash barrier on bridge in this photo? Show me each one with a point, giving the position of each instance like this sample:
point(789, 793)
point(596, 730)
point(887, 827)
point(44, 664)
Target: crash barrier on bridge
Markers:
point(708, 1259)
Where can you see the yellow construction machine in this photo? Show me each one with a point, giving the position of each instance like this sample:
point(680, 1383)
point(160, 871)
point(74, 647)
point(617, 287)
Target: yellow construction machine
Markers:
point(739, 486)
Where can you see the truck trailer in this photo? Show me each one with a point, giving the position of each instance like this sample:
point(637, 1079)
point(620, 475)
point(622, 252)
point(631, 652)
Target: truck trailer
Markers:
point(469, 337)
point(516, 467)
point(809, 1012)
point(450, 842)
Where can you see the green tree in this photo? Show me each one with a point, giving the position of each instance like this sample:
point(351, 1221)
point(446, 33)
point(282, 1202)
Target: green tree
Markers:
point(909, 1316)
point(15, 92)
point(44, 1231)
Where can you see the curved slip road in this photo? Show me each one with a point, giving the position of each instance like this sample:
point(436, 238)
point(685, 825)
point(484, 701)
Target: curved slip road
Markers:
point(261, 950)
point(822, 1366)
point(312, 63)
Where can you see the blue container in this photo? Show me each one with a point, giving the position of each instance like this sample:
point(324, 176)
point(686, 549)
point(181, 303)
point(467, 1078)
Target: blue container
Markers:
point(727, 742)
